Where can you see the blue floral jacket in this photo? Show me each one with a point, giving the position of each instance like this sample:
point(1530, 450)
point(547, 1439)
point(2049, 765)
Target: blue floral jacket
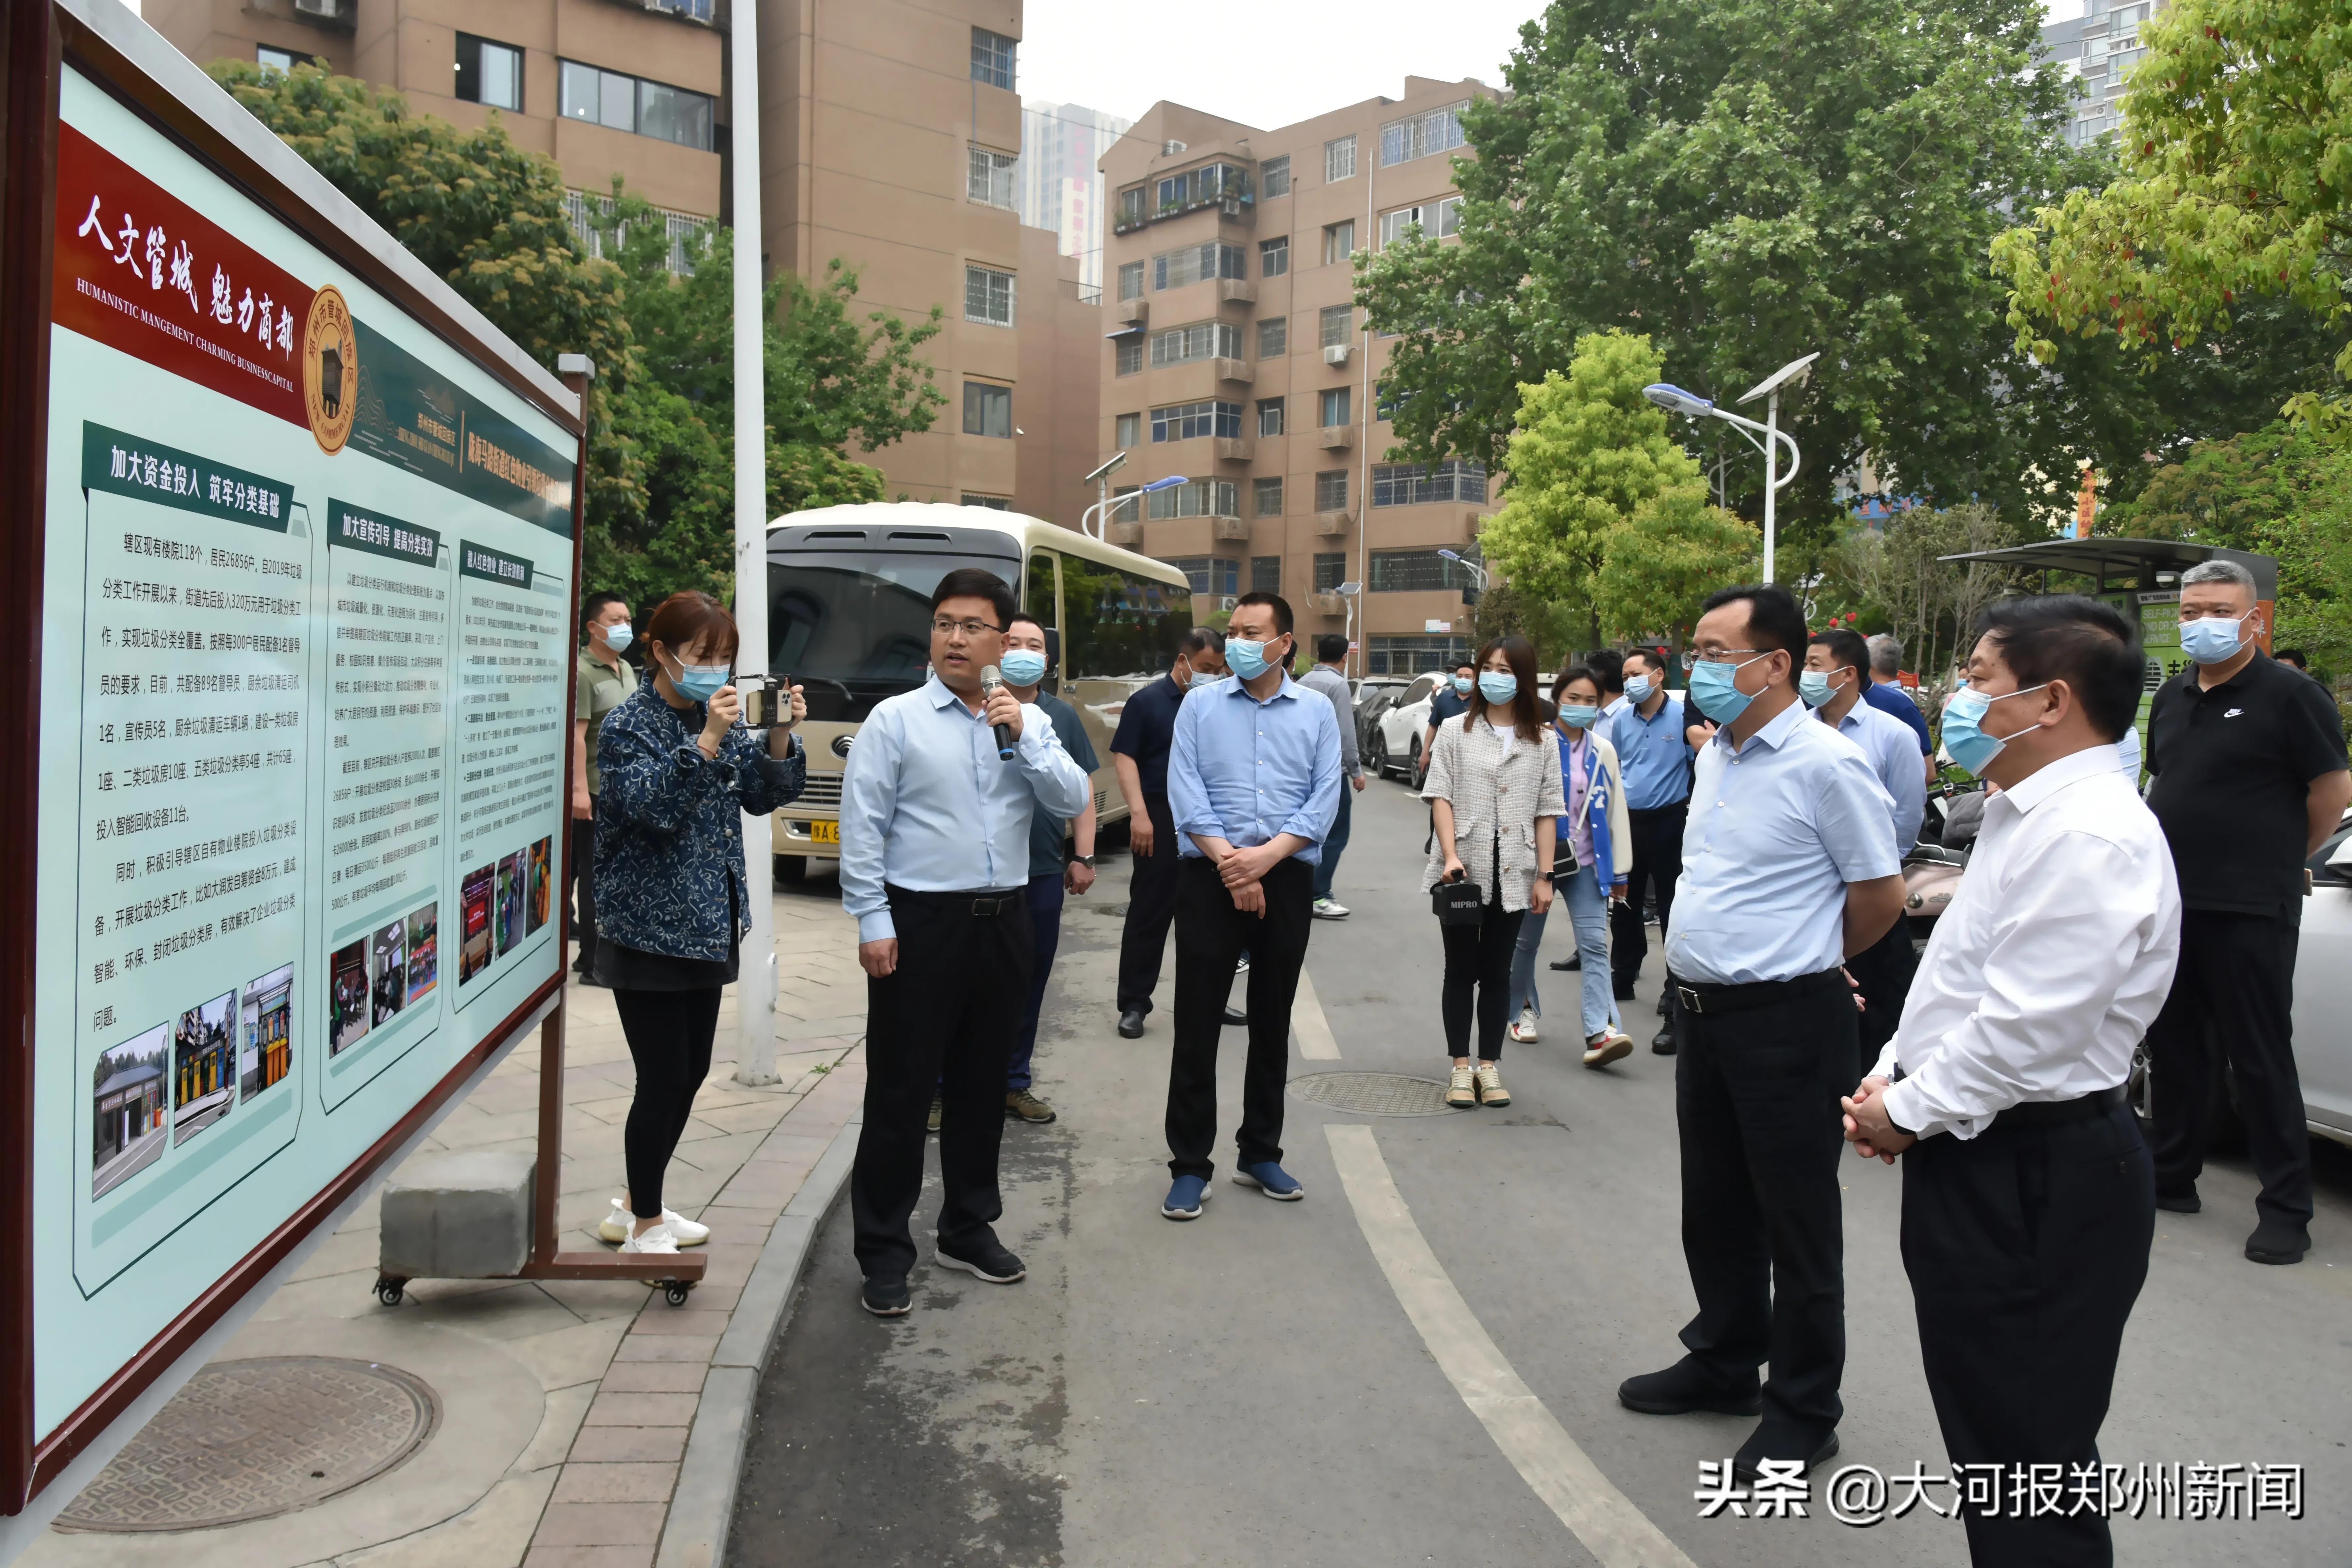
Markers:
point(669, 828)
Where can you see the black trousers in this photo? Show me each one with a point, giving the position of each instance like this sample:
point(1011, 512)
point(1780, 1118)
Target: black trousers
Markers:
point(669, 1035)
point(1150, 909)
point(1884, 969)
point(2026, 1248)
point(1478, 959)
point(2233, 993)
point(945, 1017)
point(1657, 863)
point(580, 873)
point(1211, 935)
point(1756, 1101)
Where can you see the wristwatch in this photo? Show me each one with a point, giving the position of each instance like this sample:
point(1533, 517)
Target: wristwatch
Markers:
point(1085, 861)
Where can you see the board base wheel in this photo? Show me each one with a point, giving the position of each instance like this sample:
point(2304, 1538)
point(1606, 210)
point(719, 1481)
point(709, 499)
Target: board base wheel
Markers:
point(676, 1292)
point(389, 1291)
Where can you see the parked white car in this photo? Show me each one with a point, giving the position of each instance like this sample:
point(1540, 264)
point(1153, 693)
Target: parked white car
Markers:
point(2323, 990)
point(1394, 743)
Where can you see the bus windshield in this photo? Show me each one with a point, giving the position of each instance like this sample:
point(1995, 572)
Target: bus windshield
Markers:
point(854, 627)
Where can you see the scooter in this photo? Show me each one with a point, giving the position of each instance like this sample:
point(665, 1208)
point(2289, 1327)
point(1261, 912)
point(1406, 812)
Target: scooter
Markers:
point(1931, 871)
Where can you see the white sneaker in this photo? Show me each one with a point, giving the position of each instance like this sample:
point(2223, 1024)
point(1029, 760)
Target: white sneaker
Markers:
point(1524, 1031)
point(657, 1238)
point(615, 1225)
point(1330, 910)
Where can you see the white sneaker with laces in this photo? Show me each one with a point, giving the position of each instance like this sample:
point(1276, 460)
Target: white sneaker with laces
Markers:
point(1330, 910)
point(1524, 1031)
point(654, 1238)
point(616, 1224)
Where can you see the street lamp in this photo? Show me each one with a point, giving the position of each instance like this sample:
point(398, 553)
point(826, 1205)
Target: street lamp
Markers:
point(1477, 573)
point(1691, 406)
point(1348, 591)
point(1095, 521)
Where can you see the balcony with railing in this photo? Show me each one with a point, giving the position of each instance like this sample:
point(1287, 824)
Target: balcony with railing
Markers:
point(1227, 186)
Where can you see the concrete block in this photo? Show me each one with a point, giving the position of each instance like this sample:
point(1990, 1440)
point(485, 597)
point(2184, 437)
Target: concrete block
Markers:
point(461, 1214)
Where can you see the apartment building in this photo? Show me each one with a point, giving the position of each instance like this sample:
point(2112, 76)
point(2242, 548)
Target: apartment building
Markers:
point(1235, 357)
point(1061, 188)
point(2098, 49)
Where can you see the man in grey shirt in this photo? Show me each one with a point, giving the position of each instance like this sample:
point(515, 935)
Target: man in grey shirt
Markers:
point(1330, 678)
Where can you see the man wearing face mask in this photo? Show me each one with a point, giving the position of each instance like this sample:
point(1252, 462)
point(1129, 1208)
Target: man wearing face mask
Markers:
point(1832, 685)
point(2247, 763)
point(603, 681)
point(1452, 696)
point(1789, 869)
point(1648, 732)
point(1138, 753)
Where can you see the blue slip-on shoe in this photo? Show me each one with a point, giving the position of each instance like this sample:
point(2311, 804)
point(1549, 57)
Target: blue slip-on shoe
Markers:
point(1185, 1198)
point(1272, 1180)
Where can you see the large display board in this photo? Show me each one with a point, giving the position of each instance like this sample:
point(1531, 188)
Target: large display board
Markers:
point(305, 612)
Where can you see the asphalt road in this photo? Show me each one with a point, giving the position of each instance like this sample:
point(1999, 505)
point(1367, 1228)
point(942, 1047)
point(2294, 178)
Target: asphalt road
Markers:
point(1283, 1384)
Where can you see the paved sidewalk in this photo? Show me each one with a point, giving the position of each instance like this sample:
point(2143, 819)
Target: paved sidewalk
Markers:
point(619, 1375)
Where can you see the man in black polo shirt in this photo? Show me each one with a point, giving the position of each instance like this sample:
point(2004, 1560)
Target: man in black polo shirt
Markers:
point(1139, 754)
point(2249, 776)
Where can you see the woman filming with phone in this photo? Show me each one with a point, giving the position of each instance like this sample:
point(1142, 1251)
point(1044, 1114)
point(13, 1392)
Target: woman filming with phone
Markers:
point(680, 769)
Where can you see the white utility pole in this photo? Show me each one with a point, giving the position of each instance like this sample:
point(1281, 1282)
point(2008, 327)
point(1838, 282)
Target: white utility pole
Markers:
point(1691, 406)
point(755, 987)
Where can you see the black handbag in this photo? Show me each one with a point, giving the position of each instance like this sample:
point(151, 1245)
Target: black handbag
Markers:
point(1456, 902)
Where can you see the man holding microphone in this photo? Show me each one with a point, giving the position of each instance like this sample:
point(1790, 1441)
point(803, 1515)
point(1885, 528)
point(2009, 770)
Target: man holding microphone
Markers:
point(935, 847)
point(2028, 1196)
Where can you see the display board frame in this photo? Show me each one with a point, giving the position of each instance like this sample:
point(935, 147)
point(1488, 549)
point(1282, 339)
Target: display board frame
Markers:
point(112, 48)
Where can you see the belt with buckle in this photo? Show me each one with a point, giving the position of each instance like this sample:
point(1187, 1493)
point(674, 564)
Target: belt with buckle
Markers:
point(1706, 1000)
point(985, 903)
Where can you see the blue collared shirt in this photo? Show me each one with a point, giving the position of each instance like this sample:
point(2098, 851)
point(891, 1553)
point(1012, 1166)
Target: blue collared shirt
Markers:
point(926, 804)
point(1889, 697)
point(1777, 830)
point(1248, 772)
point(1652, 754)
point(1894, 758)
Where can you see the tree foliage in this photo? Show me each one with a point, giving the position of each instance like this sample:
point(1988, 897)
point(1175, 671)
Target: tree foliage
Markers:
point(1899, 570)
point(1668, 557)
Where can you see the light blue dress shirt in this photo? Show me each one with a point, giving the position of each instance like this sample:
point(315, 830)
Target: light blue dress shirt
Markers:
point(927, 804)
point(1894, 753)
point(1652, 754)
point(1248, 772)
point(1777, 830)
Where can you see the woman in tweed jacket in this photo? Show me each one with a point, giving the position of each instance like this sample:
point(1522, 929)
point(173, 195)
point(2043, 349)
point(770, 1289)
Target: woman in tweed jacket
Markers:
point(1494, 791)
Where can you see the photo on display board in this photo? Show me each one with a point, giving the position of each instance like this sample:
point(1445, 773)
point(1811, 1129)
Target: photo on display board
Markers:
point(474, 920)
point(130, 1097)
point(204, 1066)
point(389, 955)
point(543, 887)
point(347, 997)
point(266, 1025)
point(510, 899)
point(424, 950)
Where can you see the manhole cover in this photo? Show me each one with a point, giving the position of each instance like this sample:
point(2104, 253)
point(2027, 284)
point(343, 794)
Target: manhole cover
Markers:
point(247, 1439)
point(1373, 1093)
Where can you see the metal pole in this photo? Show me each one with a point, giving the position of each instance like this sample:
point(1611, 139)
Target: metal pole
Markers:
point(1771, 472)
point(755, 989)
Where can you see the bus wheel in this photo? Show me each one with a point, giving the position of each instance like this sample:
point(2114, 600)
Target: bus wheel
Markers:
point(792, 868)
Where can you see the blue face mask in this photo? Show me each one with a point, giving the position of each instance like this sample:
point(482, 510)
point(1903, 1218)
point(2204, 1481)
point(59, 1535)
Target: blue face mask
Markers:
point(1023, 667)
point(1711, 688)
point(699, 682)
point(1462, 686)
point(1638, 688)
point(1497, 687)
point(1969, 745)
point(618, 639)
point(1814, 686)
point(1248, 658)
point(1579, 715)
point(2210, 640)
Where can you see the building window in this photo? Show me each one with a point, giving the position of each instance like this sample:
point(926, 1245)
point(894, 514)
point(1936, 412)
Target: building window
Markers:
point(1267, 494)
point(1198, 498)
point(1127, 357)
point(987, 409)
point(1269, 418)
point(1333, 406)
point(1339, 159)
point(995, 503)
point(1122, 504)
point(1131, 430)
point(1274, 337)
point(1421, 135)
point(1197, 187)
point(1415, 572)
point(1438, 220)
point(1183, 421)
point(988, 296)
point(1274, 256)
point(990, 177)
point(648, 108)
point(488, 73)
point(1330, 570)
point(1131, 280)
point(1175, 268)
point(1202, 340)
point(1414, 656)
point(1274, 175)
point(992, 58)
point(592, 222)
point(1339, 242)
point(1334, 323)
point(1266, 573)
point(1209, 575)
point(1410, 484)
point(271, 60)
point(1331, 490)
point(1130, 205)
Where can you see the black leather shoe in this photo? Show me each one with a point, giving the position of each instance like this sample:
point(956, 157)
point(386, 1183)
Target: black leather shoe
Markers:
point(1779, 1444)
point(1235, 1018)
point(985, 1259)
point(2180, 1203)
point(886, 1298)
point(1573, 960)
point(2276, 1242)
point(1662, 1044)
point(1131, 1025)
point(1686, 1386)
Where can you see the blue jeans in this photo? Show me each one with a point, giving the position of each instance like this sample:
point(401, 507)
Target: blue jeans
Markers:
point(1328, 864)
point(1588, 909)
point(1045, 920)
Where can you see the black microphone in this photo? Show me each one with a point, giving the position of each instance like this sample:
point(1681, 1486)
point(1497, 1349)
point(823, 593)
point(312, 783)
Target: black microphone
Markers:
point(992, 681)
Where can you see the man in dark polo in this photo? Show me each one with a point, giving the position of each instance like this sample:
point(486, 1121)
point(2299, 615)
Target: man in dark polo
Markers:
point(2249, 776)
point(1139, 754)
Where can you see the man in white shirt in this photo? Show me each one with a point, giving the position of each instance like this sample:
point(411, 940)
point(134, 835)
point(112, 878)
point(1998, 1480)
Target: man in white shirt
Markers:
point(2028, 1195)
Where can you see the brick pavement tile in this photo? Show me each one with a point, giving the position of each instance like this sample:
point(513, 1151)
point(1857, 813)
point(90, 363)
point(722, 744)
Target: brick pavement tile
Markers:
point(600, 1524)
point(655, 1378)
point(698, 1348)
point(639, 1556)
point(680, 1323)
point(611, 1444)
point(611, 1408)
point(709, 1296)
point(616, 1483)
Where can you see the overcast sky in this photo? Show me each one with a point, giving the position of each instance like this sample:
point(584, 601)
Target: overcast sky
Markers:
point(1266, 62)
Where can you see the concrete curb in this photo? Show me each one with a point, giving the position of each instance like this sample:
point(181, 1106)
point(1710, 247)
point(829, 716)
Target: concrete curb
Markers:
point(703, 1507)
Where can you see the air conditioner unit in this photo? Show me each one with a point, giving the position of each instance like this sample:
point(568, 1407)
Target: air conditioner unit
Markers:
point(1231, 206)
point(326, 8)
point(1227, 602)
point(1336, 354)
point(1170, 149)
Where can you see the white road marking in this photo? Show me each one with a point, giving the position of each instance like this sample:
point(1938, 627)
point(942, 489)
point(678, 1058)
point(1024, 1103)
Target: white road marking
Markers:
point(1616, 1533)
point(1313, 1031)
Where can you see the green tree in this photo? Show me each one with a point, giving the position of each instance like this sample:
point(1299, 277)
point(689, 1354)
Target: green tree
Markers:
point(1899, 570)
point(1669, 556)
